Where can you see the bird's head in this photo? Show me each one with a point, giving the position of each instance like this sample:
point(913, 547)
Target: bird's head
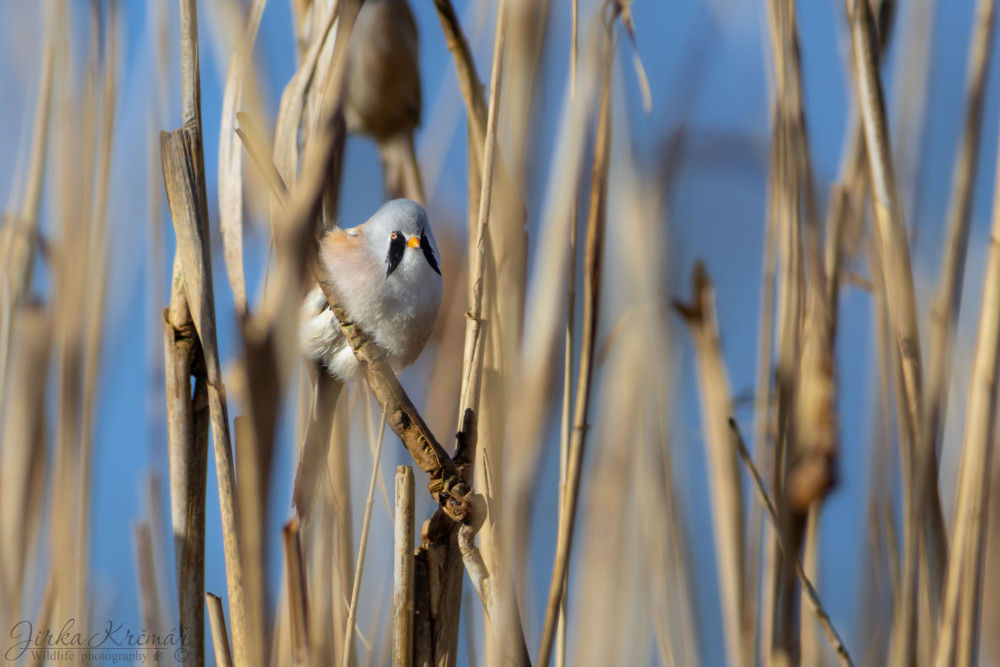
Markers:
point(399, 235)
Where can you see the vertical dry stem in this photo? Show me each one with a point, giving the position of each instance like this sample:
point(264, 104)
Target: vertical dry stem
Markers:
point(402, 570)
point(220, 641)
point(959, 642)
point(724, 480)
point(894, 251)
point(593, 265)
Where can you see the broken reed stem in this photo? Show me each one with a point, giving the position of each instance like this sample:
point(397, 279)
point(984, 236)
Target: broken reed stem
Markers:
point(187, 438)
point(352, 614)
point(402, 570)
point(593, 265)
point(808, 589)
point(473, 358)
point(724, 479)
point(184, 177)
point(220, 642)
point(298, 595)
point(894, 250)
point(478, 573)
point(959, 638)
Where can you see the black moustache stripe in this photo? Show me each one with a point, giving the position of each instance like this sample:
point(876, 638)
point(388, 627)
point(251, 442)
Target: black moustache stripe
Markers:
point(428, 253)
point(397, 247)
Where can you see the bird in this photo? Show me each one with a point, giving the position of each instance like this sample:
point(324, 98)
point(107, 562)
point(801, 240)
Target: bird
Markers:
point(383, 90)
point(387, 274)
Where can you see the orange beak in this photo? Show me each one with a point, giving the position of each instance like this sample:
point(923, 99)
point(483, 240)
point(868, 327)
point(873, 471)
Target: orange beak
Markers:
point(413, 242)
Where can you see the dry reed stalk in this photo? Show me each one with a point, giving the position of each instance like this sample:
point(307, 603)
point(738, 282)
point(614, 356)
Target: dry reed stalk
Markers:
point(468, 82)
point(220, 641)
point(791, 295)
point(724, 480)
point(809, 645)
point(809, 590)
point(506, 282)
point(844, 218)
point(566, 420)
point(184, 178)
point(286, 146)
point(231, 157)
point(472, 366)
point(149, 596)
point(807, 451)
point(901, 301)
point(75, 294)
point(960, 623)
point(251, 495)
point(187, 438)
point(760, 623)
point(574, 45)
point(297, 592)
point(947, 302)
point(19, 234)
point(536, 374)
point(402, 570)
point(340, 573)
point(423, 650)
point(362, 548)
point(22, 456)
point(634, 462)
point(593, 266)
point(912, 93)
point(497, 253)
point(22, 450)
point(489, 240)
point(611, 586)
point(93, 321)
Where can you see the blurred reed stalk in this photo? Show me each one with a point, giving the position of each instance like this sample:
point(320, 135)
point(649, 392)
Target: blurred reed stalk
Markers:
point(920, 488)
point(593, 273)
point(724, 476)
point(809, 591)
point(958, 643)
point(806, 446)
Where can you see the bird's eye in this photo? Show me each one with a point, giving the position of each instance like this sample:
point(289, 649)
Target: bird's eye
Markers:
point(393, 236)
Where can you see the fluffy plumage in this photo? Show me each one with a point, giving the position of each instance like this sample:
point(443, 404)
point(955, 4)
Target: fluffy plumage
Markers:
point(398, 308)
point(387, 273)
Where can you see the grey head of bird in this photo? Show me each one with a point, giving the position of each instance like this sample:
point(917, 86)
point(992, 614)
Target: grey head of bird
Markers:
point(400, 236)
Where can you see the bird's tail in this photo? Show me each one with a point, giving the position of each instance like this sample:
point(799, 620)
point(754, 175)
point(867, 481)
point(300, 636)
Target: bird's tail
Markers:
point(312, 458)
point(402, 174)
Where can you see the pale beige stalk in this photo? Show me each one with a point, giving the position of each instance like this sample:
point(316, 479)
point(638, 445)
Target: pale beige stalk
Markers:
point(947, 302)
point(959, 639)
point(402, 570)
point(220, 641)
point(724, 478)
